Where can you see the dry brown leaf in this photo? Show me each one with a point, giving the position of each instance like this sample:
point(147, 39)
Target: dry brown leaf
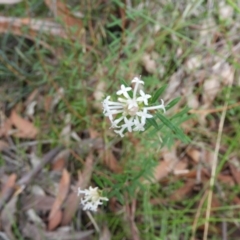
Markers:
point(170, 160)
point(204, 175)
point(39, 203)
point(181, 167)
point(174, 85)
point(208, 28)
point(72, 201)
point(99, 93)
point(162, 170)
point(226, 179)
point(208, 157)
point(69, 235)
point(10, 1)
point(61, 10)
point(130, 210)
point(34, 27)
point(110, 161)
point(62, 194)
point(8, 216)
point(235, 173)
point(5, 127)
point(149, 63)
point(94, 133)
point(37, 190)
point(72, 204)
point(236, 200)
point(194, 154)
point(34, 218)
point(33, 232)
point(47, 103)
point(193, 63)
point(192, 101)
point(224, 71)
point(60, 160)
point(55, 220)
point(30, 110)
point(3, 145)
point(211, 87)
point(105, 233)
point(226, 10)
point(33, 96)
point(10, 183)
point(182, 192)
point(25, 128)
point(31, 102)
point(215, 202)
point(114, 205)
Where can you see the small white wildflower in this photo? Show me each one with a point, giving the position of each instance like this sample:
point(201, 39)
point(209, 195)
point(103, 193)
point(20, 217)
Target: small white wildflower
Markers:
point(137, 80)
point(92, 198)
point(129, 113)
point(144, 97)
point(124, 91)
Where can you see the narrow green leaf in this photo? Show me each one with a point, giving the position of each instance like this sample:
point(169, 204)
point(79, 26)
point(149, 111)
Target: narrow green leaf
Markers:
point(107, 181)
point(158, 93)
point(175, 129)
point(124, 83)
point(152, 122)
point(98, 181)
point(183, 112)
point(234, 5)
point(172, 103)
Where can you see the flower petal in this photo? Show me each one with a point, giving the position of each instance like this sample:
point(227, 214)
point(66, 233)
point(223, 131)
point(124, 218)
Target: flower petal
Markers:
point(124, 91)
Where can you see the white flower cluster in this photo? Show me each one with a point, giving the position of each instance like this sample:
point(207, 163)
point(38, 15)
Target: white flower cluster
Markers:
point(92, 198)
point(129, 113)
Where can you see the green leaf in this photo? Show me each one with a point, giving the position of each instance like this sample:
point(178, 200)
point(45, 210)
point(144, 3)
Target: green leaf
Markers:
point(234, 5)
point(107, 181)
point(124, 83)
point(158, 93)
point(172, 103)
point(175, 129)
point(183, 112)
point(152, 122)
point(168, 141)
point(98, 181)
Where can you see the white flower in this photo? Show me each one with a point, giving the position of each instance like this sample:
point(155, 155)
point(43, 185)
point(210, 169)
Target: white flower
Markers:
point(139, 125)
point(137, 80)
point(144, 115)
point(92, 198)
point(144, 97)
point(124, 91)
point(129, 113)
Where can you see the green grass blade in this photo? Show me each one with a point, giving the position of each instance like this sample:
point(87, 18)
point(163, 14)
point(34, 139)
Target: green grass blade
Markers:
point(173, 103)
point(158, 93)
point(175, 129)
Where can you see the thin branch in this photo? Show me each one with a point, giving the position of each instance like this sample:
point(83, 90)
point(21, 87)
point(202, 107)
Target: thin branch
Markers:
point(25, 180)
point(214, 168)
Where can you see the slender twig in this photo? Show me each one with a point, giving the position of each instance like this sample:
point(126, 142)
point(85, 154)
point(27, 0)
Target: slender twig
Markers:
point(208, 111)
point(214, 168)
point(25, 180)
point(197, 216)
point(224, 230)
point(93, 221)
